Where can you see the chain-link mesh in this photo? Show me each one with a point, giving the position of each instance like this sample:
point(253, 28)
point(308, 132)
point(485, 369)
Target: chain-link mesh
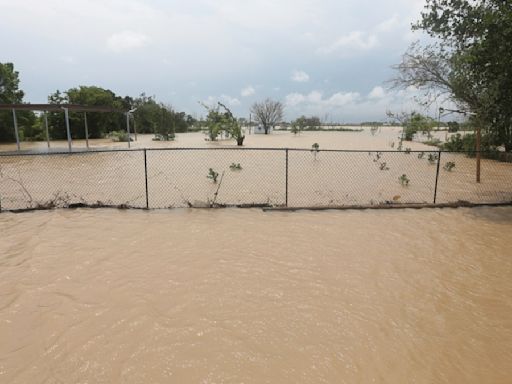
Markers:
point(457, 180)
point(113, 178)
point(334, 178)
point(182, 177)
point(205, 177)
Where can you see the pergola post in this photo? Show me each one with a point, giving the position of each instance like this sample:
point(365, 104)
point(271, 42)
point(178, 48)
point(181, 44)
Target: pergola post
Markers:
point(86, 130)
point(128, 127)
point(68, 131)
point(46, 127)
point(134, 128)
point(478, 154)
point(16, 133)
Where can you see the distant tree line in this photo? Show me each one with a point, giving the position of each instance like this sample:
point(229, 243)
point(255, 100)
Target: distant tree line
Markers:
point(149, 116)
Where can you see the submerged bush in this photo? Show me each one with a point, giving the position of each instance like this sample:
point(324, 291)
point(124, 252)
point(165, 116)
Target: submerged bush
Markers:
point(404, 180)
point(449, 166)
point(212, 175)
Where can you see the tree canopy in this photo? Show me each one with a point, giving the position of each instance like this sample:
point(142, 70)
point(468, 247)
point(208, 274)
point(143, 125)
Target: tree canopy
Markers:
point(10, 93)
point(469, 61)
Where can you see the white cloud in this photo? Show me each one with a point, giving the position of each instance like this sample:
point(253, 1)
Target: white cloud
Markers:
point(357, 40)
point(300, 76)
point(377, 93)
point(233, 101)
point(389, 24)
point(316, 99)
point(126, 41)
point(247, 91)
point(294, 99)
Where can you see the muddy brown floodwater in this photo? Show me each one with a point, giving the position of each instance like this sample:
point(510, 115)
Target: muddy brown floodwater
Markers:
point(243, 296)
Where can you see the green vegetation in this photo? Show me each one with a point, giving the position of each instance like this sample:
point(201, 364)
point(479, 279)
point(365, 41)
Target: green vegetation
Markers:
point(468, 62)
point(433, 142)
point(235, 167)
point(383, 166)
point(11, 94)
point(404, 180)
point(449, 166)
point(219, 120)
point(432, 158)
point(212, 175)
point(315, 148)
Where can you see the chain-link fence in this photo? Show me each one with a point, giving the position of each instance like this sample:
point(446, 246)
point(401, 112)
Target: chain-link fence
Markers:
point(206, 177)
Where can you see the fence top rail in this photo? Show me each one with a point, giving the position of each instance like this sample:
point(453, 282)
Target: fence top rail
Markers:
point(114, 150)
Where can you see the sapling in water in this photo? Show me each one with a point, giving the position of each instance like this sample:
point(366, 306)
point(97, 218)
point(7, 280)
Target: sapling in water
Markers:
point(449, 166)
point(432, 158)
point(315, 149)
point(212, 175)
point(404, 180)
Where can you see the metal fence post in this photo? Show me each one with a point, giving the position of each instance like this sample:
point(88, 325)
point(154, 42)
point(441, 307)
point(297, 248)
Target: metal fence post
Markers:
point(437, 175)
point(286, 187)
point(146, 177)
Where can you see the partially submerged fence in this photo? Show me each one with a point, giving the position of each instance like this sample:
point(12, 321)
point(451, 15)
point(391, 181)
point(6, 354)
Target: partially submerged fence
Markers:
point(212, 177)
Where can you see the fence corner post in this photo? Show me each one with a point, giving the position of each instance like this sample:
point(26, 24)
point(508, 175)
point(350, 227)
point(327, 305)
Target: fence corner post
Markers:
point(437, 175)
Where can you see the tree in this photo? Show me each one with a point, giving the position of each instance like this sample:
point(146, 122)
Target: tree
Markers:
point(11, 94)
point(268, 113)
point(218, 121)
point(98, 123)
point(412, 123)
point(469, 63)
point(298, 125)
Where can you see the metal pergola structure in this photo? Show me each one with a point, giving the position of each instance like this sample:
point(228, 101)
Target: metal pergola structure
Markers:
point(66, 108)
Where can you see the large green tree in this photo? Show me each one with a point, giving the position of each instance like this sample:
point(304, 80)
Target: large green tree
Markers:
point(99, 123)
point(469, 61)
point(10, 93)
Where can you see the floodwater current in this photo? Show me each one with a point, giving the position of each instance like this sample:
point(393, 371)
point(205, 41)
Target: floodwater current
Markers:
point(245, 296)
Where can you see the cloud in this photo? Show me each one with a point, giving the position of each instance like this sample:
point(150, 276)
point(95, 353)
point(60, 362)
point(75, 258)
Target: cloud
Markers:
point(233, 101)
point(377, 93)
point(247, 91)
point(389, 24)
point(126, 41)
point(300, 76)
point(316, 99)
point(357, 40)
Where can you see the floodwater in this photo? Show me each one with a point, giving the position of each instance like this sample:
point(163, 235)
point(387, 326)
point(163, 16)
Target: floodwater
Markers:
point(243, 296)
point(363, 140)
point(179, 178)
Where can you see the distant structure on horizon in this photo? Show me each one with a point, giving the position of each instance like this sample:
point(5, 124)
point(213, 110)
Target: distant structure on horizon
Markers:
point(258, 130)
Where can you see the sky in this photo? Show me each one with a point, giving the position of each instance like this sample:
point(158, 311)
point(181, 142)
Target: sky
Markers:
point(329, 58)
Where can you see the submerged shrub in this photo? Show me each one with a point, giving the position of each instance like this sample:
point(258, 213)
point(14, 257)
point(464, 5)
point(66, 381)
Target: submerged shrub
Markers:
point(404, 180)
point(212, 175)
point(449, 166)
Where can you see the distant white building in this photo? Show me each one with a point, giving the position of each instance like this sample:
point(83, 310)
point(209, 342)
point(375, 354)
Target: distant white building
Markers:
point(259, 130)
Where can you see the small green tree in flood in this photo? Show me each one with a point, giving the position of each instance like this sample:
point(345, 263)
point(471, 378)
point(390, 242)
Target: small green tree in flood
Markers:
point(412, 123)
point(404, 180)
point(212, 175)
point(298, 125)
point(315, 148)
point(221, 119)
